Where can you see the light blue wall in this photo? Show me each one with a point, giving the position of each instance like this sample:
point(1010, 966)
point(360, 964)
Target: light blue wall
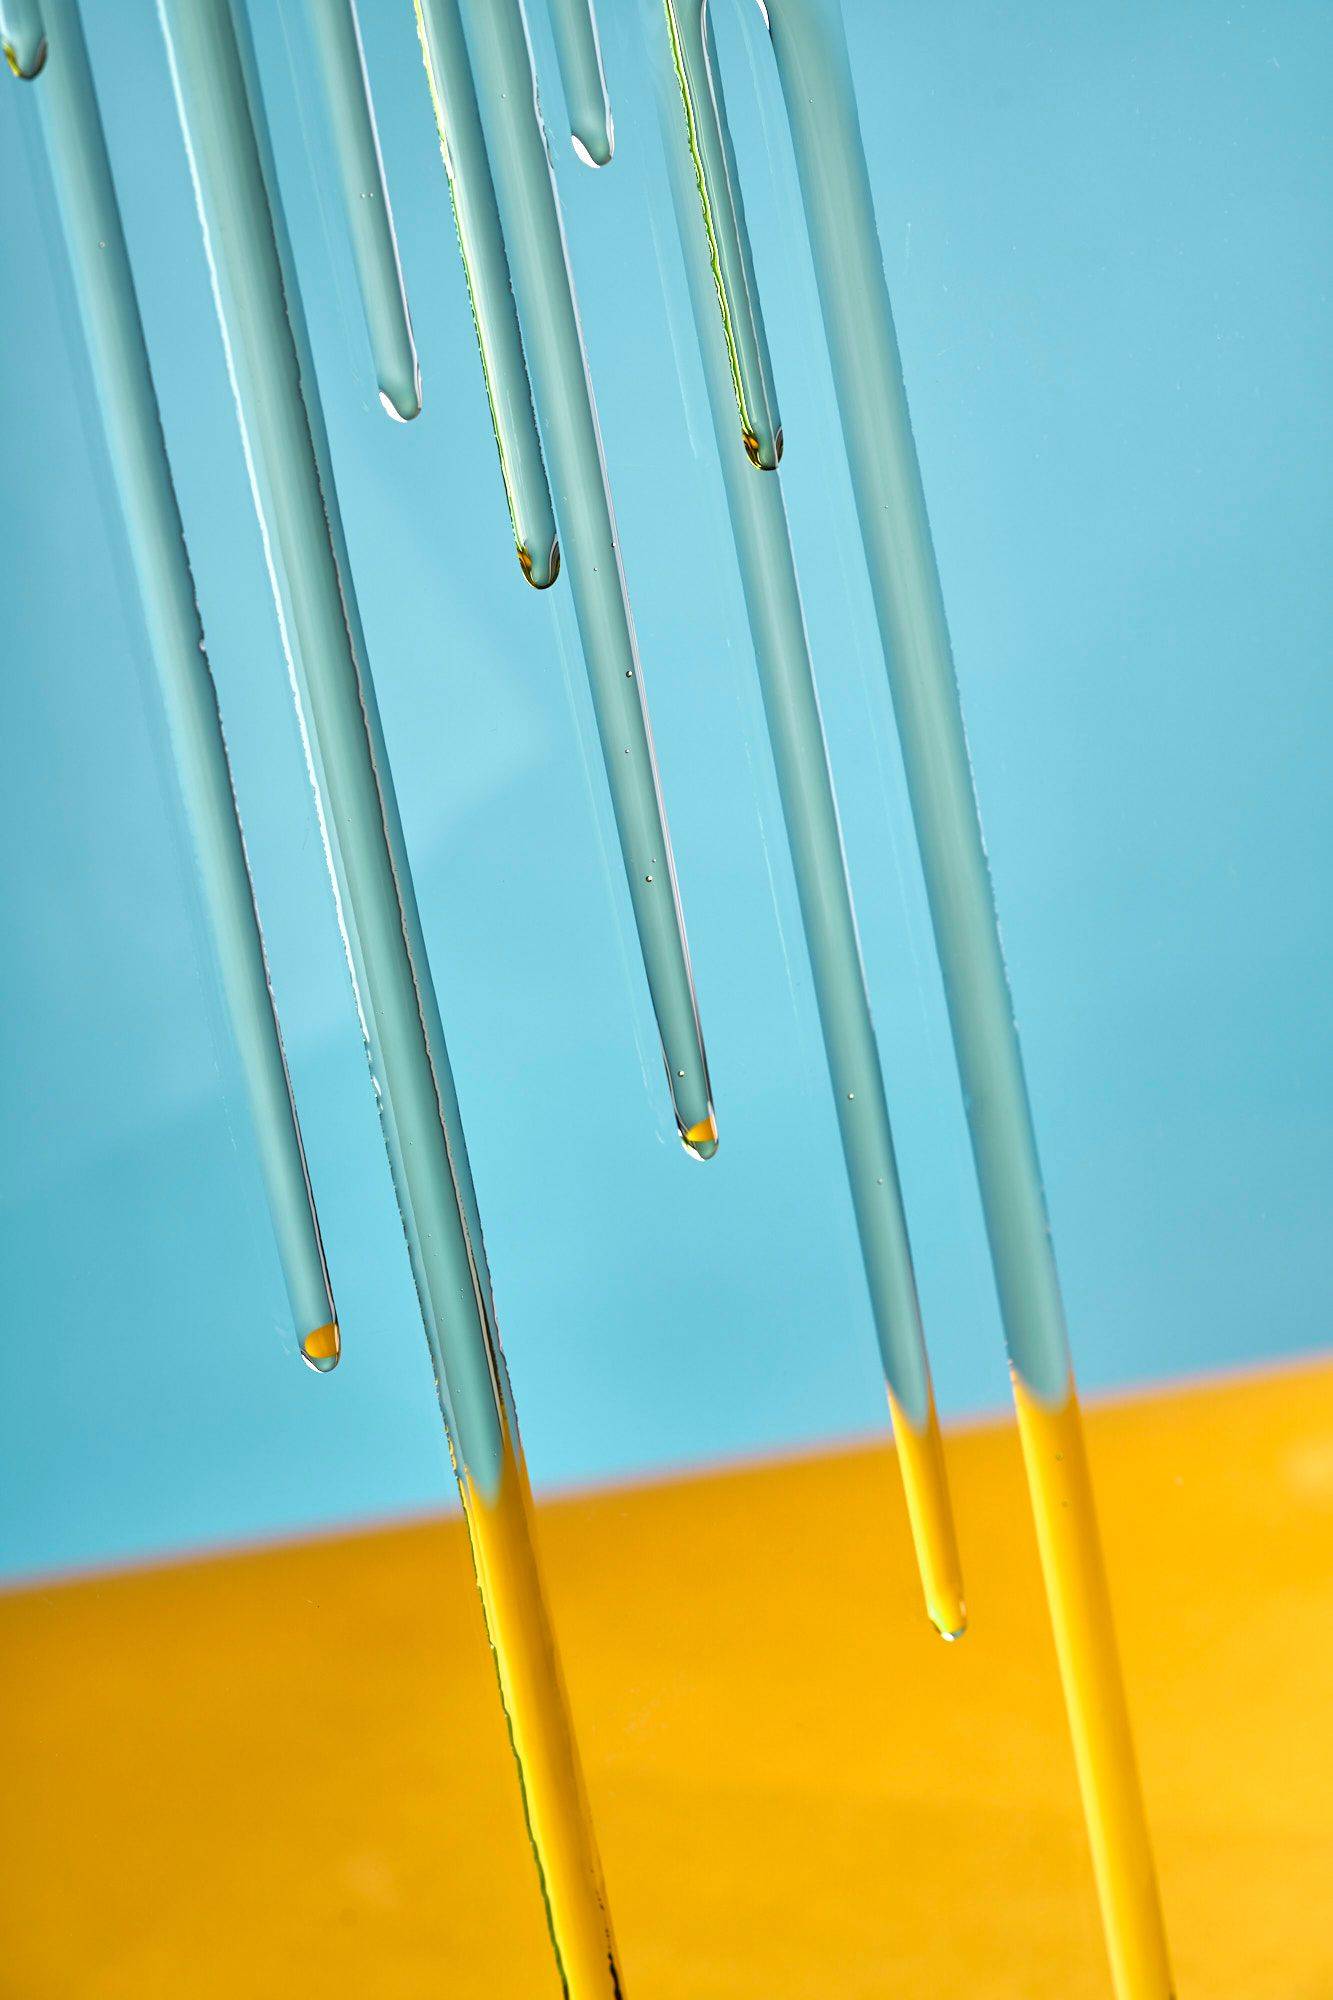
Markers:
point(1107, 235)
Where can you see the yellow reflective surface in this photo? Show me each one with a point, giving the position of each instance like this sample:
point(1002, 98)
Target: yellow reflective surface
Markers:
point(537, 1708)
point(287, 1773)
point(1055, 1454)
point(926, 1489)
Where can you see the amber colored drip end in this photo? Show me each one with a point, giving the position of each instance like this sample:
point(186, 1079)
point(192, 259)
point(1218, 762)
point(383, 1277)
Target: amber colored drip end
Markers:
point(930, 1512)
point(322, 1348)
point(1055, 1456)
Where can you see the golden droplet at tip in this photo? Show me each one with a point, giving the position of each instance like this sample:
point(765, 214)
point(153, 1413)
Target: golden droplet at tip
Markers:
point(700, 1141)
point(38, 62)
point(540, 576)
point(920, 1452)
point(322, 1349)
point(756, 454)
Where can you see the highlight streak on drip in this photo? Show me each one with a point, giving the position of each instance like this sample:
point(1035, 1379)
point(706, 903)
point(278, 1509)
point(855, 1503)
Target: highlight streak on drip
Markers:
point(23, 37)
point(815, 71)
point(99, 261)
point(342, 61)
point(282, 423)
point(694, 53)
point(500, 1525)
point(1056, 1461)
point(791, 704)
point(502, 59)
point(486, 268)
point(578, 51)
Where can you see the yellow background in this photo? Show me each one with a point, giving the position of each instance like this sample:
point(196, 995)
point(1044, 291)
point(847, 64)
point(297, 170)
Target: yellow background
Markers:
point(285, 1773)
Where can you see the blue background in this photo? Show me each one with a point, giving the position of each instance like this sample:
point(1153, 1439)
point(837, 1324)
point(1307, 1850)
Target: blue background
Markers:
point(1107, 237)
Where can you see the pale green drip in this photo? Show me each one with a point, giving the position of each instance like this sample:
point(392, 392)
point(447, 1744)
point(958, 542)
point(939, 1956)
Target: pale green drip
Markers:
point(486, 269)
point(579, 54)
point(695, 60)
point(805, 784)
point(815, 71)
point(278, 405)
point(502, 62)
point(23, 37)
point(99, 260)
point(337, 37)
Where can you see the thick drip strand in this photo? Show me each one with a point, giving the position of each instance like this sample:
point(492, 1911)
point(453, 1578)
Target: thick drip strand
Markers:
point(273, 379)
point(109, 308)
point(534, 236)
point(351, 114)
point(501, 1528)
point(486, 269)
point(815, 72)
point(695, 58)
point(579, 54)
point(805, 785)
point(1055, 1456)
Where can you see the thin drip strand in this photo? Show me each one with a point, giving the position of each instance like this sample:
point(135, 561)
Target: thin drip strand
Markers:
point(109, 308)
point(805, 784)
point(279, 410)
point(351, 117)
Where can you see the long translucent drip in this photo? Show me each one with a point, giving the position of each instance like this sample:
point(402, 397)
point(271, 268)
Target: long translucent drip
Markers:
point(502, 62)
point(282, 423)
point(494, 314)
point(579, 53)
point(791, 704)
point(814, 67)
point(694, 55)
point(351, 112)
point(99, 261)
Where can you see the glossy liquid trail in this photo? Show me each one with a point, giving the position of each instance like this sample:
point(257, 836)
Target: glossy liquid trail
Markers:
point(814, 69)
point(1056, 1460)
point(579, 54)
point(502, 64)
point(351, 113)
point(486, 269)
point(127, 400)
point(532, 1688)
point(805, 784)
point(268, 354)
point(694, 54)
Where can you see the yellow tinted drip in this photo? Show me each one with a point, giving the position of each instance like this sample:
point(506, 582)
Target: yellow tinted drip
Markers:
point(701, 1139)
point(714, 222)
point(323, 1347)
point(1076, 1589)
point(532, 1689)
point(925, 1485)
